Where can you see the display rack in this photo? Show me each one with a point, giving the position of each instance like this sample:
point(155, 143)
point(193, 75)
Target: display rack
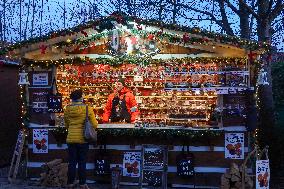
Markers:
point(169, 93)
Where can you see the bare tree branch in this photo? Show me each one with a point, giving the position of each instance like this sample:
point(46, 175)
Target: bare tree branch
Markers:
point(249, 9)
point(225, 21)
point(253, 5)
point(269, 7)
point(224, 26)
point(231, 6)
point(277, 10)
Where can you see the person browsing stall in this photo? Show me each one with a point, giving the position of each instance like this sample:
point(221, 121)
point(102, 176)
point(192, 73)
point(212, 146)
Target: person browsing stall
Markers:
point(121, 105)
point(74, 117)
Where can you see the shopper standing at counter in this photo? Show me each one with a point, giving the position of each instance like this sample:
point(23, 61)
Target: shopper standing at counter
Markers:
point(75, 116)
point(121, 105)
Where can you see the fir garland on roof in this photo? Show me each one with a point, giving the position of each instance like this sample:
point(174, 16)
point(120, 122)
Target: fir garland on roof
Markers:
point(101, 24)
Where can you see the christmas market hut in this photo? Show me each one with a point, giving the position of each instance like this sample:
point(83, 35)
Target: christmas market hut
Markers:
point(193, 88)
point(9, 110)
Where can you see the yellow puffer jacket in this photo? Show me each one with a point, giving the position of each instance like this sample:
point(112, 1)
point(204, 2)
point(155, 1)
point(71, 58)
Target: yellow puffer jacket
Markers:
point(74, 117)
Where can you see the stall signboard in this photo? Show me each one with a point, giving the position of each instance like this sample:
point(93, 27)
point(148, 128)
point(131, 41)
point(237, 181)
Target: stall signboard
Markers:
point(131, 164)
point(39, 102)
point(40, 79)
point(262, 174)
point(154, 166)
point(40, 141)
point(234, 145)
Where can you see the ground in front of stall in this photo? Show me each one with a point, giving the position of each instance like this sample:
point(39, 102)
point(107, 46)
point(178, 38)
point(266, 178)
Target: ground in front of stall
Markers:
point(27, 184)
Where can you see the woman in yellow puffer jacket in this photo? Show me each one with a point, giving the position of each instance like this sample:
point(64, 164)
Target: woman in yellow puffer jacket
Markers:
point(74, 116)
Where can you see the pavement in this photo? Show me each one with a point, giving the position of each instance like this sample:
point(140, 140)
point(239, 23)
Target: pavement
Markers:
point(29, 184)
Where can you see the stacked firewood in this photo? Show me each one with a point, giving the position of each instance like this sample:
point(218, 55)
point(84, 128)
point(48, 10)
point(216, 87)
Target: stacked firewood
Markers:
point(54, 174)
point(232, 179)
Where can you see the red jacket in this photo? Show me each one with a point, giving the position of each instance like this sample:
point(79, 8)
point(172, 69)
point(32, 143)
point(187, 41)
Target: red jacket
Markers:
point(130, 102)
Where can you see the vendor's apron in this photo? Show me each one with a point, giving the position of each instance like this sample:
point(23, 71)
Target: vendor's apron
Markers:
point(119, 111)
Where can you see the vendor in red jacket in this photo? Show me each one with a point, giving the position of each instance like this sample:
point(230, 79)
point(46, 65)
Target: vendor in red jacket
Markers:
point(121, 105)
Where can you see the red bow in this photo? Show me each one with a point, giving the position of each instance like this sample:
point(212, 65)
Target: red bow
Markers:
point(43, 49)
point(139, 27)
point(185, 38)
point(151, 37)
point(252, 55)
point(84, 33)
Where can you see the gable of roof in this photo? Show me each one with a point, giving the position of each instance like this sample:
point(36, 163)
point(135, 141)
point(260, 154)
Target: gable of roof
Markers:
point(107, 23)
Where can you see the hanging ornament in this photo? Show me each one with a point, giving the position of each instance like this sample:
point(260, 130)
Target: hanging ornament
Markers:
point(43, 49)
point(23, 78)
point(252, 56)
point(269, 58)
point(185, 37)
point(151, 37)
point(139, 27)
point(262, 78)
point(84, 33)
point(160, 32)
point(115, 40)
point(130, 42)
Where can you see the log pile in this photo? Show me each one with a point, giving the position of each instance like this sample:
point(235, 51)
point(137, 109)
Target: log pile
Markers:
point(232, 179)
point(54, 174)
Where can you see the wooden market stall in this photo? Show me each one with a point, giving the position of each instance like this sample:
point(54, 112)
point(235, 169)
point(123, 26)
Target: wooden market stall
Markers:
point(9, 110)
point(193, 88)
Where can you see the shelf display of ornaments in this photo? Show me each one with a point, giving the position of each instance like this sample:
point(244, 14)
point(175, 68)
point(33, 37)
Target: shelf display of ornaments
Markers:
point(168, 94)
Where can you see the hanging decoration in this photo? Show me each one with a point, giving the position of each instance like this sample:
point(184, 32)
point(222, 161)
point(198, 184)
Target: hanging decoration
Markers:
point(234, 145)
point(23, 78)
point(40, 141)
point(262, 174)
point(131, 164)
point(185, 38)
point(262, 78)
point(84, 33)
point(115, 43)
point(43, 49)
point(252, 56)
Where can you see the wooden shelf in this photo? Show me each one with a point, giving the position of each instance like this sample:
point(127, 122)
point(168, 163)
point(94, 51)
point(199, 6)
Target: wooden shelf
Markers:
point(186, 119)
point(153, 108)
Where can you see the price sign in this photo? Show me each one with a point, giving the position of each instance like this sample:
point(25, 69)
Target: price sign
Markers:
point(262, 174)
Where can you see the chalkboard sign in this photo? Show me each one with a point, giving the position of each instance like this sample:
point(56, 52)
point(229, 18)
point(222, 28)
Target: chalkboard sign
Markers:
point(153, 157)
point(154, 166)
point(102, 167)
point(39, 102)
point(185, 166)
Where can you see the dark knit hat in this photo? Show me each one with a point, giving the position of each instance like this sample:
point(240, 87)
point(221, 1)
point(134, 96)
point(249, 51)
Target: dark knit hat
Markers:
point(121, 80)
point(77, 94)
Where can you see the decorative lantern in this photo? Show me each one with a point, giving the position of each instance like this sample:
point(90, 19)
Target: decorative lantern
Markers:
point(262, 78)
point(23, 78)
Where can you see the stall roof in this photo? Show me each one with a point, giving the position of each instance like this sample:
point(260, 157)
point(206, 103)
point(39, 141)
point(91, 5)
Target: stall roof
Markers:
point(8, 62)
point(190, 42)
